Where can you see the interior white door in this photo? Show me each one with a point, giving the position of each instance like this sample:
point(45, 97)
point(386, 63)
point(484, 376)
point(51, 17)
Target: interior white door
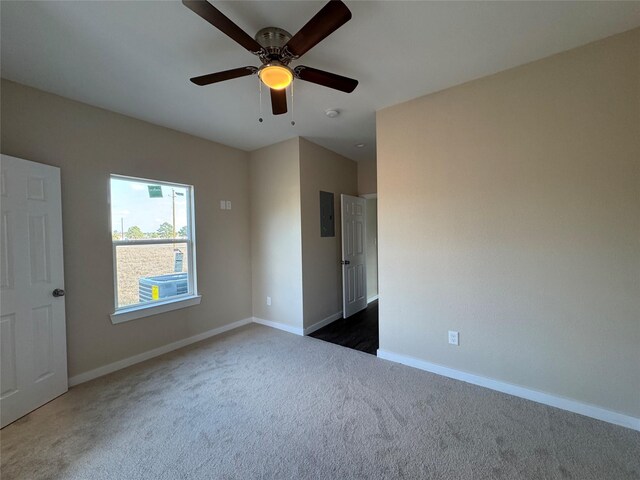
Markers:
point(354, 264)
point(33, 345)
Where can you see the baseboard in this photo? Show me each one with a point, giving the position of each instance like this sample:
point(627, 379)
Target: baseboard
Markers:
point(372, 299)
point(563, 403)
point(279, 326)
point(141, 357)
point(322, 323)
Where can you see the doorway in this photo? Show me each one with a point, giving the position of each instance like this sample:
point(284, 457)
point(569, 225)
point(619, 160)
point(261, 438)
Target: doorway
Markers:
point(360, 330)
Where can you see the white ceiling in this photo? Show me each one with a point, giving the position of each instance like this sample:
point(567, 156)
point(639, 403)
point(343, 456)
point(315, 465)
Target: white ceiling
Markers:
point(136, 58)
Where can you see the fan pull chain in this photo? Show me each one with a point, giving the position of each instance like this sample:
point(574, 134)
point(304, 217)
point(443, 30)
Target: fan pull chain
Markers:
point(292, 122)
point(260, 90)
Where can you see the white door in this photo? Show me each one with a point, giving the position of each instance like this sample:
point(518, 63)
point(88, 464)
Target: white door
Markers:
point(33, 345)
point(354, 265)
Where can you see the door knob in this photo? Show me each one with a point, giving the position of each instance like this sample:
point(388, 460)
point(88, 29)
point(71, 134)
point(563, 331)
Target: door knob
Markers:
point(345, 262)
point(58, 292)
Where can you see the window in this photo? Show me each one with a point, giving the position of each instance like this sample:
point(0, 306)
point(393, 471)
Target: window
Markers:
point(153, 239)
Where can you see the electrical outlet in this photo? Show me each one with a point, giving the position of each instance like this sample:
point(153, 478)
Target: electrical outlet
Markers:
point(223, 205)
point(268, 301)
point(453, 338)
point(228, 204)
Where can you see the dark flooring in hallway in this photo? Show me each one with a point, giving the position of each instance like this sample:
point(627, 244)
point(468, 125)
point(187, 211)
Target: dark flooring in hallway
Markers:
point(359, 331)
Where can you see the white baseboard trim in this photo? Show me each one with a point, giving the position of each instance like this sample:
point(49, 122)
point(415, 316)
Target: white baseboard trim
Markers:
point(563, 403)
point(141, 357)
point(372, 299)
point(322, 323)
point(279, 326)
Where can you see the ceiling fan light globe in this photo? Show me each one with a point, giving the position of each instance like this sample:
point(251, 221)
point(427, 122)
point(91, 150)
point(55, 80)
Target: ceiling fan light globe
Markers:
point(276, 77)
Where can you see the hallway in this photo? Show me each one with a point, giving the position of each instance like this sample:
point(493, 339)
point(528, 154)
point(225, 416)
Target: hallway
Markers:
point(359, 332)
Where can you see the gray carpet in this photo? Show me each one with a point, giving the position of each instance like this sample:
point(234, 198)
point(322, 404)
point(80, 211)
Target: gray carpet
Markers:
point(257, 403)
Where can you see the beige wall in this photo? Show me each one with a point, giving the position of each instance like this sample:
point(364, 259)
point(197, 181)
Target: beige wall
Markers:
point(276, 244)
point(372, 247)
point(322, 169)
point(291, 263)
point(509, 210)
point(88, 144)
point(367, 176)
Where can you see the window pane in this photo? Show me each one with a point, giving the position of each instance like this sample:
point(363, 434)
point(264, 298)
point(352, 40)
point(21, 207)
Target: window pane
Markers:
point(141, 209)
point(151, 272)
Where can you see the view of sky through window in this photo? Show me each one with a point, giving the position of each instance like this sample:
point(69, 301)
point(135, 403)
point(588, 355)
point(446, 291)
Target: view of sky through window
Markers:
point(134, 204)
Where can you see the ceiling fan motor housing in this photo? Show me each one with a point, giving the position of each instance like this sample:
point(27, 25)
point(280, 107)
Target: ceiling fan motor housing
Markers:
point(272, 39)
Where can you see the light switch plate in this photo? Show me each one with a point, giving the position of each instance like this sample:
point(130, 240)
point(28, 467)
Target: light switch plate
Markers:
point(228, 204)
point(223, 205)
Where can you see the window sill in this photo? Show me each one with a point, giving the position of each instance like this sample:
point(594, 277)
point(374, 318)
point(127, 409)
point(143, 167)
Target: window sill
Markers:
point(141, 311)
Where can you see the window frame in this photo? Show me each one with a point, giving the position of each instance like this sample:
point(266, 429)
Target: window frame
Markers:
point(140, 310)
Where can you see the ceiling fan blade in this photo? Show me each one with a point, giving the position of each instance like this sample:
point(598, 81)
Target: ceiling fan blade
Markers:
point(216, 18)
point(331, 17)
point(222, 76)
point(279, 101)
point(326, 79)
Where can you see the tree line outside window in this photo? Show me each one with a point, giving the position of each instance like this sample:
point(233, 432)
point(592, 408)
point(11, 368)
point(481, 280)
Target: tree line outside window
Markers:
point(164, 231)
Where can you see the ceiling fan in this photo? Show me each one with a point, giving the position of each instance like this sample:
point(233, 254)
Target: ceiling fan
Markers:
point(276, 49)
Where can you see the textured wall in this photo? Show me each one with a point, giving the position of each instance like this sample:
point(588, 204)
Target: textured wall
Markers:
point(367, 176)
point(322, 169)
point(276, 243)
point(509, 209)
point(89, 144)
